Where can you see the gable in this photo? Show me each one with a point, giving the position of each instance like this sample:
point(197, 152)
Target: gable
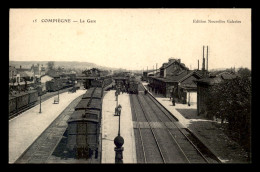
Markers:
point(190, 79)
point(193, 75)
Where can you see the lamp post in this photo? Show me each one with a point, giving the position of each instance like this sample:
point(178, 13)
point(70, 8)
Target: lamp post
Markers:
point(58, 94)
point(189, 100)
point(117, 100)
point(40, 92)
point(119, 141)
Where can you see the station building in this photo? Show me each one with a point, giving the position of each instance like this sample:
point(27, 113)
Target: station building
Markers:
point(177, 81)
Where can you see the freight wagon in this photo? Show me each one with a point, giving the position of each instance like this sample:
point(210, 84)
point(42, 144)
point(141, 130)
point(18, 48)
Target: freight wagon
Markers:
point(84, 125)
point(22, 100)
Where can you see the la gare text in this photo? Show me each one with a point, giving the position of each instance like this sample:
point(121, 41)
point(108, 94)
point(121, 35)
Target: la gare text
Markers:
point(66, 21)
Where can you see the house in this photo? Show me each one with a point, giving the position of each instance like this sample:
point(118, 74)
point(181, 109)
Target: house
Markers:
point(53, 73)
point(203, 88)
point(38, 70)
point(24, 74)
point(173, 66)
point(12, 73)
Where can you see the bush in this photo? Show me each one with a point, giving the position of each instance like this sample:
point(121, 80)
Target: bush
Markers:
point(231, 101)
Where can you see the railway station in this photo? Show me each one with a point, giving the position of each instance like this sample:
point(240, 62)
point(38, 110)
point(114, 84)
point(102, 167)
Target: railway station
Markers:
point(114, 120)
point(129, 86)
point(121, 118)
point(126, 117)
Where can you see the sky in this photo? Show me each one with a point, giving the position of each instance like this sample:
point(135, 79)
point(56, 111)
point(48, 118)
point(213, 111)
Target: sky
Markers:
point(132, 38)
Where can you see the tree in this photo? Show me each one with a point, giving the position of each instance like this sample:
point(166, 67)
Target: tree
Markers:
point(50, 65)
point(244, 72)
point(231, 100)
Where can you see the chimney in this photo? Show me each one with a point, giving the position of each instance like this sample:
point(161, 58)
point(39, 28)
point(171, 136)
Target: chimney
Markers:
point(20, 66)
point(207, 60)
point(198, 64)
point(203, 60)
point(171, 60)
point(156, 69)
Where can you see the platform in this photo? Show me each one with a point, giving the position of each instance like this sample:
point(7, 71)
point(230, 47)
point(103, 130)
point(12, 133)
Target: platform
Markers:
point(168, 105)
point(28, 126)
point(110, 128)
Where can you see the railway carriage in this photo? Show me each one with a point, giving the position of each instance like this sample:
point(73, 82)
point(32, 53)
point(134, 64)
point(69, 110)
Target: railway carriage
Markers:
point(97, 94)
point(84, 124)
point(33, 96)
point(83, 133)
point(22, 100)
point(12, 104)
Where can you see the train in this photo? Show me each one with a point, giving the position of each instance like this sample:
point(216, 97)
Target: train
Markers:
point(84, 125)
point(127, 83)
point(58, 84)
point(22, 100)
point(102, 81)
point(133, 85)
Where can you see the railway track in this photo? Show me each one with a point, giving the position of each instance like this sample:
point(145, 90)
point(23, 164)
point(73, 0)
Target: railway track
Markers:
point(44, 97)
point(47, 147)
point(159, 139)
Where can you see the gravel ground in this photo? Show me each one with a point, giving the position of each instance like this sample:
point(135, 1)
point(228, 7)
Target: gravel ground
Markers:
point(212, 133)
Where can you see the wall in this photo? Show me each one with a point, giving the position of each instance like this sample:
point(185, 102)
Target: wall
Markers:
point(202, 92)
point(173, 67)
point(46, 78)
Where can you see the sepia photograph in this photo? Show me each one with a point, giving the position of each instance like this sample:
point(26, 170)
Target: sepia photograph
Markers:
point(130, 86)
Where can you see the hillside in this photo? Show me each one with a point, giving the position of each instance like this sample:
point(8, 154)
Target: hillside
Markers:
point(66, 64)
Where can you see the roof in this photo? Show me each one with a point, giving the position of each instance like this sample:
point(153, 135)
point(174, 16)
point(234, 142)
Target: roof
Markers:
point(189, 85)
point(12, 68)
point(23, 70)
point(96, 94)
point(78, 114)
point(86, 77)
point(217, 79)
point(84, 104)
point(25, 74)
point(178, 78)
point(149, 71)
point(52, 73)
point(166, 65)
point(120, 78)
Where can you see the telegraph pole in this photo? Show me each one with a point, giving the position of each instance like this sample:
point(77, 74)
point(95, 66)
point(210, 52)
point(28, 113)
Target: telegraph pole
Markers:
point(40, 103)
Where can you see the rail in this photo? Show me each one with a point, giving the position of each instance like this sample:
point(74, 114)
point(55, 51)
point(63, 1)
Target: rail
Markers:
point(162, 107)
point(180, 131)
point(139, 130)
point(156, 141)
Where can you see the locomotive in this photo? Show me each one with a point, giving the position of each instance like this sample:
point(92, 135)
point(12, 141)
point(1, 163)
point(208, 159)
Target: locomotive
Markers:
point(129, 83)
point(133, 85)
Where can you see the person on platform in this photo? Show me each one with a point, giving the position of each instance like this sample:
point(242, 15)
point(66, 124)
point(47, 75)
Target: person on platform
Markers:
point(119, 109)
point(173, 101)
